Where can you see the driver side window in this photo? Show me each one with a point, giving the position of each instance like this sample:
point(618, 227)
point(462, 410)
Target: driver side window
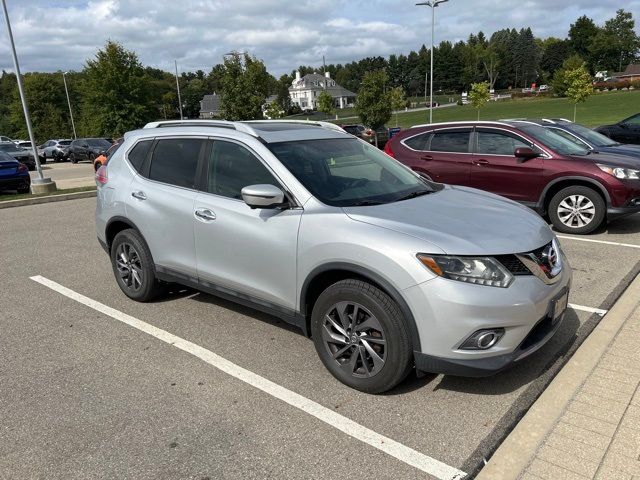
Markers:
point(233, 167)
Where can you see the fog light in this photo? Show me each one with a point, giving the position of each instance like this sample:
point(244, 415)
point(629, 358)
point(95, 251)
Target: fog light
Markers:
point(483, 339)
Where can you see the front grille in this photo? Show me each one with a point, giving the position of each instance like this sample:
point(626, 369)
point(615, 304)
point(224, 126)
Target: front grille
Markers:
point(513, 264)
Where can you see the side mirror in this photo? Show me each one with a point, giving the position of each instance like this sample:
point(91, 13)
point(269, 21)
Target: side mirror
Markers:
point(262, 196)
point(525, 153)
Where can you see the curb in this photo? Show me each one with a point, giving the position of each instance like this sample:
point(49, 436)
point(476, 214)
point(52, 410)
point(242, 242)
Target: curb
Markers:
point(48, 199)
point(519, 448)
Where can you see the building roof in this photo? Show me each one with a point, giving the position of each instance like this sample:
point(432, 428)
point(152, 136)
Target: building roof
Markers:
point(632, 70)
point(315, 81)
point(210, 103)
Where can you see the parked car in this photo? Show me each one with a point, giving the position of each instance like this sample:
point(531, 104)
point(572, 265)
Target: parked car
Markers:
point(585, 137)
point(104, 158)
point(579, 190)
point(87, 149)
point(19, 153)
point(385, 270)
point(13, 174)
point(625, 131)
point(5, 139)
point(25, 145)
point(367, 134)
point(58, 149)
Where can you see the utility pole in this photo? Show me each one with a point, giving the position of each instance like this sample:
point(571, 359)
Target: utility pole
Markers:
point(178, 86)
point(73, 125)
point(40, 184)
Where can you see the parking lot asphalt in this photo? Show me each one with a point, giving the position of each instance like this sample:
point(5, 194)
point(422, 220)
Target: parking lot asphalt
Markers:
point(67, 174)
point(86, 396)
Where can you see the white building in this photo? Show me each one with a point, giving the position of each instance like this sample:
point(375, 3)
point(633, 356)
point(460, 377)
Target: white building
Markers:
point(304, 91)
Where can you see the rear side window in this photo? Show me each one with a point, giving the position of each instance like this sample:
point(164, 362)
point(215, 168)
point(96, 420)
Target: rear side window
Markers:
point(419, 142)
point(455, 142)
point(138, 154)
point(175, 161)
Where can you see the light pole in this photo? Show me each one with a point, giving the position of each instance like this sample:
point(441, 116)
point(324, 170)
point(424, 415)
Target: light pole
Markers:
point(178, 85)
point(433, 4)
point(40, 184)
point(73, 125)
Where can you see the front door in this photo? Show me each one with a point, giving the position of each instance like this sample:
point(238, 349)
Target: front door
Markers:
point(496, 169)
point(250, 252)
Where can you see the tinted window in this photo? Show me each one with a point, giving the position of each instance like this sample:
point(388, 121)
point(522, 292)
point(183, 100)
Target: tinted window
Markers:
point(98, 142)
point(457, 142)
point(552, 140)
point(9, 147)
point(594, 138)
point(175, 161)
point(63, 142)
point(419, 142)
point(635, 120)
point(138, 154)
point(494, 143)
point(232, 167)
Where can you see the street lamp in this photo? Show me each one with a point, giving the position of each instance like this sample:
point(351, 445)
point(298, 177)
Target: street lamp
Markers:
point(40, 184)
point(178, 85)
point(433, 4)
point(73, 125)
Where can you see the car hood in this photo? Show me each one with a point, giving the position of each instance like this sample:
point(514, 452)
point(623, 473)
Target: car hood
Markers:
point(461, 221)
point(611, 158)
point(628, 150)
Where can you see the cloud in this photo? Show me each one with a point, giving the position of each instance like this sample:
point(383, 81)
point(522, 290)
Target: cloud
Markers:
point(62, 35)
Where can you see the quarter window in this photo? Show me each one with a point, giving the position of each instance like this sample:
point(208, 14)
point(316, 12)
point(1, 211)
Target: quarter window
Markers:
point(455, 142)
point(175, 161)
point(138, 154)
point(233, 167)
point(494, 143)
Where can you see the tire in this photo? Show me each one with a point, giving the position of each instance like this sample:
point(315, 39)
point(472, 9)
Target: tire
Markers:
point(142, 286)
point(24, 190)
point(378, 319)
point(92, 157)
point(590, 215)
point(72, 158)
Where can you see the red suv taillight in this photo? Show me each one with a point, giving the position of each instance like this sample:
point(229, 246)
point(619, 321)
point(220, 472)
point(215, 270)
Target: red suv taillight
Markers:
point(388, 150)
point(101, 175)
point(23, 168)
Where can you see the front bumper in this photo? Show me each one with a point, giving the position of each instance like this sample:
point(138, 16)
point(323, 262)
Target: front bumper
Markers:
point(448, 312)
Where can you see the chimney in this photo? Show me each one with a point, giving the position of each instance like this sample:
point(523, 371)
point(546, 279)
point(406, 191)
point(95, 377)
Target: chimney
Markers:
point(327, 74)
point(297, 74)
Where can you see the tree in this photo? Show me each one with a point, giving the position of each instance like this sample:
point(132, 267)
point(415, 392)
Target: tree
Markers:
point(325, 103)
point(581, 35)
point(559, 83)
point(398, 100)
point(282, 92)
point(479, 95)
point(115, 93)
point(580, 86)
point(273, 111)
point(373, 104)
point(615, 45)
point(244, 87)
point(554, 53)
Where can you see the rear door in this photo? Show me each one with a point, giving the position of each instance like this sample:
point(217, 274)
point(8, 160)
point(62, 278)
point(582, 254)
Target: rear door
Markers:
point(496, 169)
point(160, 200)
point(447, 156)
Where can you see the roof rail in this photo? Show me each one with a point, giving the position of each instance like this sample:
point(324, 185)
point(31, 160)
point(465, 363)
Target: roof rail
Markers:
point(190, 122)
point(327, 125)
point(463, 122)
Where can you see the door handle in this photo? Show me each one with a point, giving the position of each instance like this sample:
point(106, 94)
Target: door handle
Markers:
point(480, 162)
point(139, 195)
point(205, 214)
point(426, 157)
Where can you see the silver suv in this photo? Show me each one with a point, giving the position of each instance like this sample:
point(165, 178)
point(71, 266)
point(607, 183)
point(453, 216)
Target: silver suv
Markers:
point(385, 270)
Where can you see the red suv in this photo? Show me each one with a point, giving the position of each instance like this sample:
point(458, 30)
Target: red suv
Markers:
point(577, 189)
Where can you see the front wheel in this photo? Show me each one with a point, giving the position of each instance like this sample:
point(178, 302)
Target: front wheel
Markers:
point(361, 336)
point(578, 209)
point(73, 158)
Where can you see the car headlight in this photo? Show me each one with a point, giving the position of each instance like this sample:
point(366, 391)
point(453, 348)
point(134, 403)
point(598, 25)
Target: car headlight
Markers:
point(477, 270)
point(619, 172)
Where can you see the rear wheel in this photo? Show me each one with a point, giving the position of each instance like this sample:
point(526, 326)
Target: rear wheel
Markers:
point(133, 266)
point(72, 158)
point(361, 336)
point(577, 209)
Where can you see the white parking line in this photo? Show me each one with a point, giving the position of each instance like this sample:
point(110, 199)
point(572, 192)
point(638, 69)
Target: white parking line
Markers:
point(580, 239)
point(599, 311)
point(397, 450)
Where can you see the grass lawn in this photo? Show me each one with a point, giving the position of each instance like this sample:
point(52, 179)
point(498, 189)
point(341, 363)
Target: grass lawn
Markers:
point(599, 109)
point(21, 196)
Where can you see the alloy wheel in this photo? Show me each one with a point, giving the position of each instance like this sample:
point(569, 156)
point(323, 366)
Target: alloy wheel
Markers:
point(129, 266)
point(355, 339)
point(576, 211)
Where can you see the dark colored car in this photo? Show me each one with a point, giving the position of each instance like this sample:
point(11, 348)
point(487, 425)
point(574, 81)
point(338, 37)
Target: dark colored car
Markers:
point(103, 159)
point(87, 149)
point(576, 188)
point(625, 131)
point(13, 174)
point(367, 134)
point(20, 154)
point(585, 137)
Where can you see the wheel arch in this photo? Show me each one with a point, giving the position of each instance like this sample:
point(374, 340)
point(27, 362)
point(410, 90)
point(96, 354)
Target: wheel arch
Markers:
point(115, 226)
point(325, 275)
point(555, 186)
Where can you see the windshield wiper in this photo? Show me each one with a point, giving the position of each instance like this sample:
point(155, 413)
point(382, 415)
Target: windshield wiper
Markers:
point(417, 193)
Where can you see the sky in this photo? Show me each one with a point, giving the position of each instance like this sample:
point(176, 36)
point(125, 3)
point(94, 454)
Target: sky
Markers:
point(63, 34)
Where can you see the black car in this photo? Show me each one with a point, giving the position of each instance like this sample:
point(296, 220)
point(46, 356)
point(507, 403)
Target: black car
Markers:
point(625, 131)
point(87, 149)
point(19, 153)
point(585, 137)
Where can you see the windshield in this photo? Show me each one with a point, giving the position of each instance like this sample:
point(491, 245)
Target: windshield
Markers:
point(98, 142)
point(348, 172)
point(594, 138)
point(9, 147)
point(553, 140)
